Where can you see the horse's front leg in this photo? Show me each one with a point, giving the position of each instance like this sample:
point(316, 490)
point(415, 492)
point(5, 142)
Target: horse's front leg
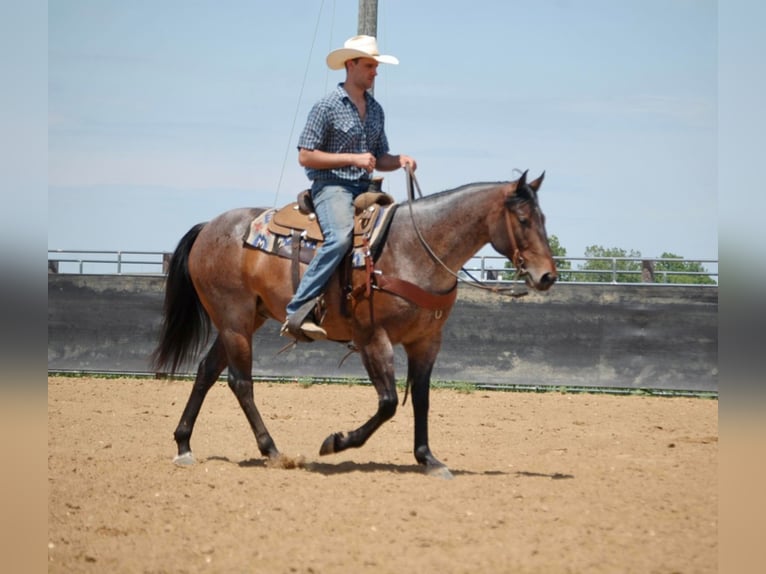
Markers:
point(378, 359)
point(421, 358)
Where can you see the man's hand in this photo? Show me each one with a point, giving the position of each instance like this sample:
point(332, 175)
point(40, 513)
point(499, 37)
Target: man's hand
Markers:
point(365, 161)
point(405, 160)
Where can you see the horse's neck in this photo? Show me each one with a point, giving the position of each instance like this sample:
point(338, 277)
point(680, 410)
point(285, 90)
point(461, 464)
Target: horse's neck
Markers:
point(454, 224)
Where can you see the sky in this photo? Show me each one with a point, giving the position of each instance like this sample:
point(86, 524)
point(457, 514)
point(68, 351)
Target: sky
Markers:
point(165, 114)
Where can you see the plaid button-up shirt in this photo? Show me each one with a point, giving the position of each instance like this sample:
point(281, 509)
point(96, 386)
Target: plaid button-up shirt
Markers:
point(334, 126)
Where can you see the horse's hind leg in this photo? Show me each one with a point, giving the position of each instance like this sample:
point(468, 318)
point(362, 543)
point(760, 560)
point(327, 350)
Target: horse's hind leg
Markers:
point(241, 383)
point(239, 349)
point(208, 372)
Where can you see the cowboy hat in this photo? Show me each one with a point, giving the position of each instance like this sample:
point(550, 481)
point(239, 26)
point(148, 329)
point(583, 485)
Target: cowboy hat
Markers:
point(357, 47)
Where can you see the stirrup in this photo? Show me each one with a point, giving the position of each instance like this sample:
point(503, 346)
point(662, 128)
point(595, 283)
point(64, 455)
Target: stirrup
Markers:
point(293, 326)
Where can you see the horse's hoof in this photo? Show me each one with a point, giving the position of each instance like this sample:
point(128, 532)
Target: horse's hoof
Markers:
point(328, 446)
point(439, 471)
point(185, 459)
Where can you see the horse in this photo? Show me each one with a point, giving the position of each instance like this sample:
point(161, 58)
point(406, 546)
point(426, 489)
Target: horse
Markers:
point(214, 278)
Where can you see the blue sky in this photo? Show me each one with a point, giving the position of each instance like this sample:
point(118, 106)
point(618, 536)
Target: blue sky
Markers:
point(164, 114)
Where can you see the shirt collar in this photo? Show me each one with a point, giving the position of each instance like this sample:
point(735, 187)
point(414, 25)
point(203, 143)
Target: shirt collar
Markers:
point(343, 94)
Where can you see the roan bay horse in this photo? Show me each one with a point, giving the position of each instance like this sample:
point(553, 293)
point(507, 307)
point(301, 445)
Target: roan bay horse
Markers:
point(213, 277)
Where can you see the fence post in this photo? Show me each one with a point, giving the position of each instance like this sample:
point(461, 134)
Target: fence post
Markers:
point(647, 271)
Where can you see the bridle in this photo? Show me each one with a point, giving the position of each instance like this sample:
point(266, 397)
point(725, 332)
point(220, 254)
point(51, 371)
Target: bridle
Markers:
point(517, 259)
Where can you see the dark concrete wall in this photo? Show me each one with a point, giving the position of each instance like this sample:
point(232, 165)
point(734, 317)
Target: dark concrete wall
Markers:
point(660, 337)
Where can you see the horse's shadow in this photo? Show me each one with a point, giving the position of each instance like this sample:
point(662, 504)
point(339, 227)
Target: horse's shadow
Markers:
point(349, 466)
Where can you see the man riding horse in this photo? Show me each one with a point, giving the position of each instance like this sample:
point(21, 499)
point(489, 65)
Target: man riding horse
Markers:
point(343, 142)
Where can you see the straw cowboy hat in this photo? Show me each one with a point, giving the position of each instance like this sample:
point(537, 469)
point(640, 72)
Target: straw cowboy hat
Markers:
point(357, 47)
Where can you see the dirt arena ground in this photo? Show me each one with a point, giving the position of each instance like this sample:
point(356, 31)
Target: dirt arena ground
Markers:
point(544, 483)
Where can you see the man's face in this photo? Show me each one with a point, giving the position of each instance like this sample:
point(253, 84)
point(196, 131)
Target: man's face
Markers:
point(362, 72)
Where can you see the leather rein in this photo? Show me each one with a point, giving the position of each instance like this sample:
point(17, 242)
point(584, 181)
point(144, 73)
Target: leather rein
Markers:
point(517, 259)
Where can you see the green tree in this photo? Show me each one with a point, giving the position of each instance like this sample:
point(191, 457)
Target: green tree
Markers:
point(675, 271)
point(557, 250)
point(607, 265)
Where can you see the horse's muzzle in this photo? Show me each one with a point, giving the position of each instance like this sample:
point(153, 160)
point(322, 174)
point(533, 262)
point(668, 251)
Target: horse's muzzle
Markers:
point(546, 281)
point(543, 282)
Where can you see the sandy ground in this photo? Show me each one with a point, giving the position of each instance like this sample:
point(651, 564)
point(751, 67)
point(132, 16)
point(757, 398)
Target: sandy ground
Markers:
point(543, 483)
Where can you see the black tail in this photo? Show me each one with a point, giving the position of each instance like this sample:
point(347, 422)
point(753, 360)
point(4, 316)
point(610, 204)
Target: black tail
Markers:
point(185, 324)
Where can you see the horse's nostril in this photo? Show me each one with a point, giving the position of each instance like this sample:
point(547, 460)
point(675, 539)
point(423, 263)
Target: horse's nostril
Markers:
point(548, 279)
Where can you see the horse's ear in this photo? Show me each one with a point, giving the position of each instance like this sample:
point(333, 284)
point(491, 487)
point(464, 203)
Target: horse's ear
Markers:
point(522, 180)
point(536, 183)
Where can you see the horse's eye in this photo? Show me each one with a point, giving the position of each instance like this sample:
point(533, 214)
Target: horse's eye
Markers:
point(523, 220)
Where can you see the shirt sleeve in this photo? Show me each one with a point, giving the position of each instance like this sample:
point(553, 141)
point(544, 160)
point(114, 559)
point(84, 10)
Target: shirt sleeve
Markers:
point(314, 132)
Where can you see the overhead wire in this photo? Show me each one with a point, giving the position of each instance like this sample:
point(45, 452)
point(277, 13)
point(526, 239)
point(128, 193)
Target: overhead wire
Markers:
point(298, 104)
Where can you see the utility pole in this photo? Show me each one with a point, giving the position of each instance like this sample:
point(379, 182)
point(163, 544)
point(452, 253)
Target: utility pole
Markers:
point(368, 18)
point(368, 22)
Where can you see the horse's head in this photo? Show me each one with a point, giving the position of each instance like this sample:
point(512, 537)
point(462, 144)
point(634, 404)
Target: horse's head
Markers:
point(520, 234)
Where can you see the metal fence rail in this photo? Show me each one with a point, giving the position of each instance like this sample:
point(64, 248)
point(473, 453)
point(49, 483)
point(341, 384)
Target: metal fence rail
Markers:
point(614, 270)
point(107, 262)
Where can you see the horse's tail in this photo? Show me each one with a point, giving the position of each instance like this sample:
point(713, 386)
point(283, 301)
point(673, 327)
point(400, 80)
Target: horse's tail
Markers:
point(185, 323)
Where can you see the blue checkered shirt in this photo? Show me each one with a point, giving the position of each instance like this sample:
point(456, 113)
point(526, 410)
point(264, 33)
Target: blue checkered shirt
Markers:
point(334, 126)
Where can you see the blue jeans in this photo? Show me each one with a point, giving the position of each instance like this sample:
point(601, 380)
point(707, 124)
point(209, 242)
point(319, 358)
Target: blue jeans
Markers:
point(334, 206)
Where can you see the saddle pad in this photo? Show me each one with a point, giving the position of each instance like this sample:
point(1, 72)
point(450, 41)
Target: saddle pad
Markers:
point(373, 223)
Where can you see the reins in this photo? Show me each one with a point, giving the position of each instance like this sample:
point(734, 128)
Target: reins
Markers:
point(518, 260)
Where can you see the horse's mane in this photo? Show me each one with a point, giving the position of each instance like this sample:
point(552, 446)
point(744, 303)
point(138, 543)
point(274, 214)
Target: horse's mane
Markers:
point(467, 188)
point(525, 193)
